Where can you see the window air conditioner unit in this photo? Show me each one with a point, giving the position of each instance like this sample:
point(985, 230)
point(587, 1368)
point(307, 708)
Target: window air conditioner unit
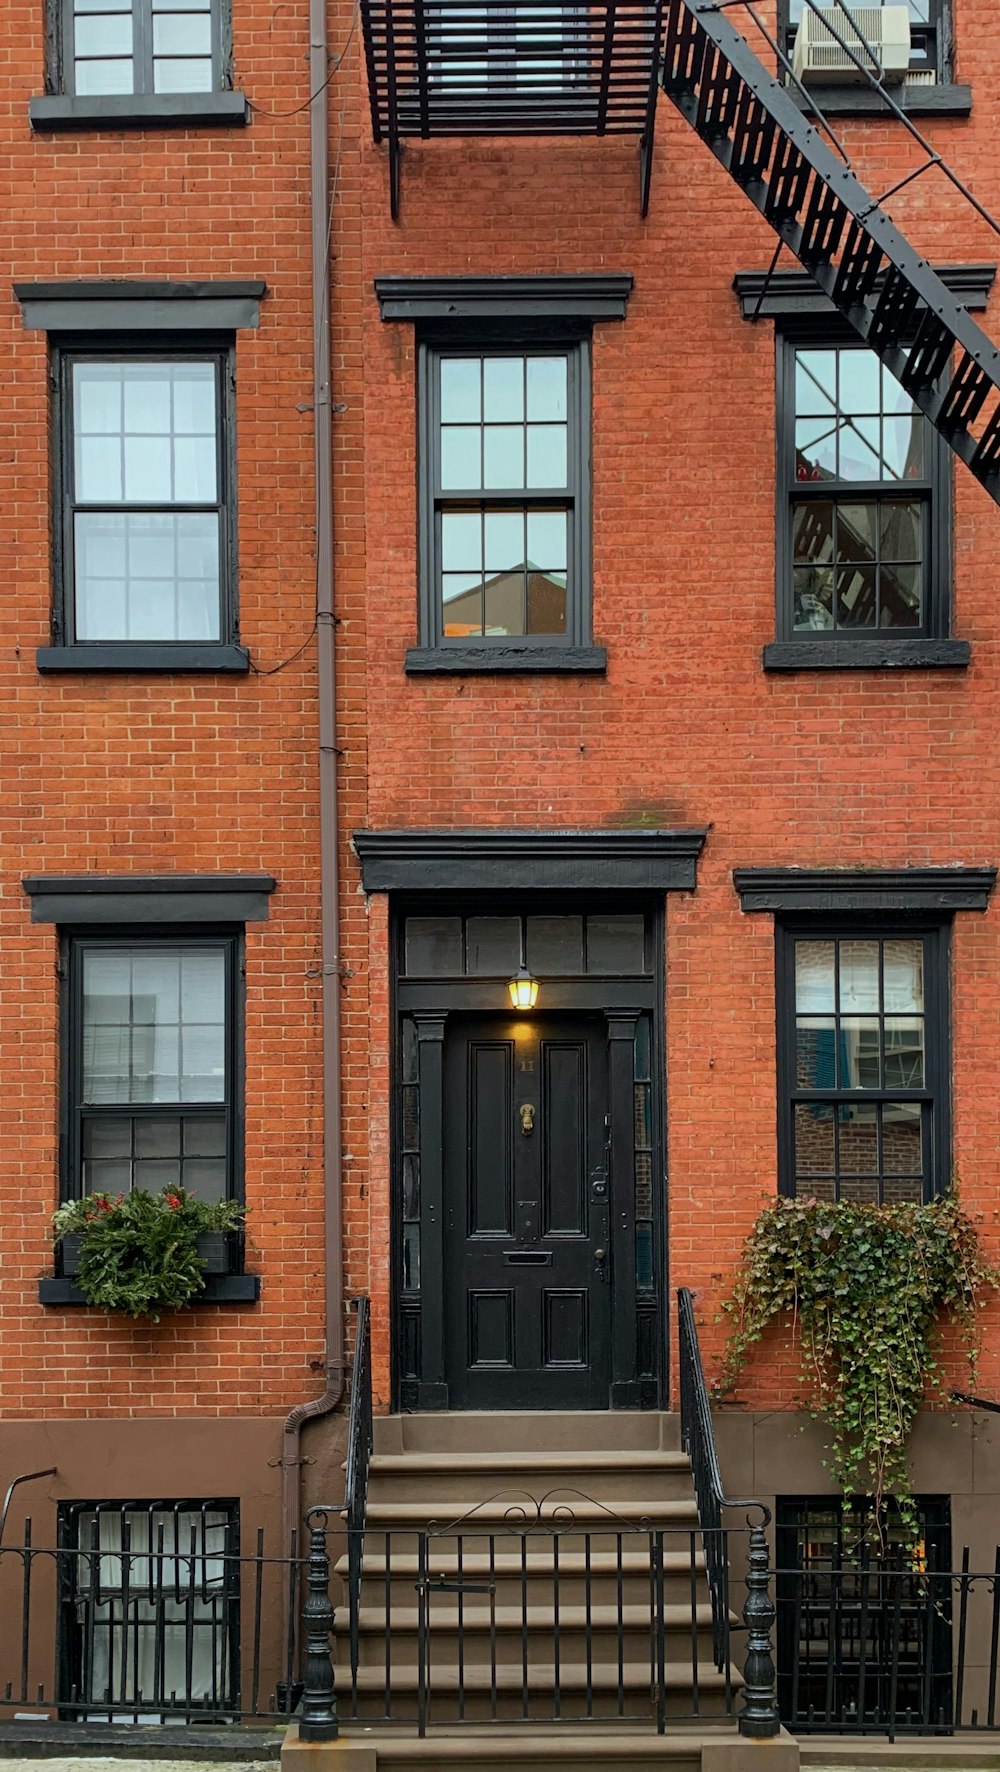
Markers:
point(818, 58)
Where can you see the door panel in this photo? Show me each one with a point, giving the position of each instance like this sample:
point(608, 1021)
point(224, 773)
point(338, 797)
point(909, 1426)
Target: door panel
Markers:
point(527, 1275)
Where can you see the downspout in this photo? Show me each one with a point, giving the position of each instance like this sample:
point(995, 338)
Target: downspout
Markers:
point(320, 198)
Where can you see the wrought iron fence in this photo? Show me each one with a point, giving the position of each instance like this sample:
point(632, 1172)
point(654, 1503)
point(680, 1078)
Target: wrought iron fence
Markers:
point(889, 1647)
point(147, 1612)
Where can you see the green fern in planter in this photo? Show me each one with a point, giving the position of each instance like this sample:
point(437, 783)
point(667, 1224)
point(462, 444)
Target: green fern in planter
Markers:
point(866, 1288)
point(139, 1252)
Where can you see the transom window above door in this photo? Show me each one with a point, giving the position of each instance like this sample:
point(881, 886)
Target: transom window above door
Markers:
point(601, 943)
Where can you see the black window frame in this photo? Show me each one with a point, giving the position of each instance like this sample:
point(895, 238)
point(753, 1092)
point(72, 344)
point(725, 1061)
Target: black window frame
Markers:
point(67, 351)
point(72, 944)
point(61, 53)
point(929, 44)
point(574, 648)
point(934, 491)
point(936, 1092)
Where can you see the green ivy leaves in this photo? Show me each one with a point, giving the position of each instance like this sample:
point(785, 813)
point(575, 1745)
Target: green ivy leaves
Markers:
point(866, 1287)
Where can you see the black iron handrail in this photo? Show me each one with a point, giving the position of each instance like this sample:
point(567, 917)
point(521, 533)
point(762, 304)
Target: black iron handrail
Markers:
point(698, 1440)
point(359, 1451)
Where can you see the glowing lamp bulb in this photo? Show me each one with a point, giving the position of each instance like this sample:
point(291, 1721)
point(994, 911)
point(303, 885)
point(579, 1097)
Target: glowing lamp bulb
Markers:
point(523, 989)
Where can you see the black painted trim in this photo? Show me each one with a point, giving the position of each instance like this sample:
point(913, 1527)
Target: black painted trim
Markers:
point(504, 298)
point(83, 305)
point(931, 892)
point(149, 898)
point(219, 1289)
point(529, 860)
point(131, 655)
point(166, 110)
point(482, 660)
point(863, 654)
point(793, 293)
point(943, 100)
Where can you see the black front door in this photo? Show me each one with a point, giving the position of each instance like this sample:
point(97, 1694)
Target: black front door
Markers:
point(527, 1268)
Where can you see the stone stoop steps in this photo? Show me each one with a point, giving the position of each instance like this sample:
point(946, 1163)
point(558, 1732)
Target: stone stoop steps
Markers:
point(480, 1476)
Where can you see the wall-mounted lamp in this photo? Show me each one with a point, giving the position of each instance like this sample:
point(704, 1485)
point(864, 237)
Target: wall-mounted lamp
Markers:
point(523, 988)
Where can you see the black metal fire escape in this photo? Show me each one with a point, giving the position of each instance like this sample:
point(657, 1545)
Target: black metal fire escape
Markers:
point(482, 67)
point(475, 67)
point(859, 259)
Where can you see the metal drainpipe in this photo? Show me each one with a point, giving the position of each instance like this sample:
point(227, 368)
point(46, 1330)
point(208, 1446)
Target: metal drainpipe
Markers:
point(291, 1465)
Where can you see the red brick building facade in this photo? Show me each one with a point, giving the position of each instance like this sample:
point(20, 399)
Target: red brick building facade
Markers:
point(696, 691)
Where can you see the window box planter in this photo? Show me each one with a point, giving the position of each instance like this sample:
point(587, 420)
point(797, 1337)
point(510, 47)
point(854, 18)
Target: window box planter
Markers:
point(211, 1248)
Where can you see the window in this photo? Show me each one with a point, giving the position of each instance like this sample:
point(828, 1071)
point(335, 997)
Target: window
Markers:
point(145, 486)
point(149, 1613)
point(862, 1063)
point(527, 50)
point(152, 1064)
point(141, 46)
point(927, 38)
point(505, 509)
point(863, 526)
point(864, 1624)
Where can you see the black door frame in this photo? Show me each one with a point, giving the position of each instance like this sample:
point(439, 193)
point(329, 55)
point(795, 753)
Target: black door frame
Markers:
point(418, 1349)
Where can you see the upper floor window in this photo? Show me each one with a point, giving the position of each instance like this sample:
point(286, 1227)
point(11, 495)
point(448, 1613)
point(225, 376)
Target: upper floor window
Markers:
point(928, 45)
point(152, 1049)
point(863, 542)
point(141, 46)
point(505, 509)
point(863, 1064)
point(145, 488)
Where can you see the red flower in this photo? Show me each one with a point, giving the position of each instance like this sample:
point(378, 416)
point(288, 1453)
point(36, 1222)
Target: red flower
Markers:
point(173, 1202)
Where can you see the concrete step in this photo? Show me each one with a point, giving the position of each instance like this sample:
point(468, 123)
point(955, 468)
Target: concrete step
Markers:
point(542, 1430)
point(483, 1693)
point(462, 1478)
point(510, 1638)
point(533, 1747)
point(537, 1578)
point(507, 1512)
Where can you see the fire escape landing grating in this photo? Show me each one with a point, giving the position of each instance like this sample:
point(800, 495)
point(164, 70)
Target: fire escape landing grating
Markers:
point(471, 67)
point(837, 231)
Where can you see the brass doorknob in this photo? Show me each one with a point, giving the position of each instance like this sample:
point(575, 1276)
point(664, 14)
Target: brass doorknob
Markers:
point(599, 1254)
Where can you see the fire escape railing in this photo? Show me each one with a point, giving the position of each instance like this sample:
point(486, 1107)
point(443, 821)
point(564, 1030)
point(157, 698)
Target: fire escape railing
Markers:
point(883, 288)
point(470, 67)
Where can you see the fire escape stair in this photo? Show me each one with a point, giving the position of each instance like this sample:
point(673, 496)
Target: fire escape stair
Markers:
point(860, 260)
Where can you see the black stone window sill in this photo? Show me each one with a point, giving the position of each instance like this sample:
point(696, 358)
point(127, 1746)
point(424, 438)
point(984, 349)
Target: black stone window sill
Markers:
point(485, 660)
point(865, 654)
point(861, 101)
point(147, 110)
point(126, 655)
point(219, 1289)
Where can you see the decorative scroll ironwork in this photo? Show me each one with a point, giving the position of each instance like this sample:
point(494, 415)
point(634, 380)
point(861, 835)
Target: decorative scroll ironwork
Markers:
point(837, 231)
point(526, 1516)
point(470, 67)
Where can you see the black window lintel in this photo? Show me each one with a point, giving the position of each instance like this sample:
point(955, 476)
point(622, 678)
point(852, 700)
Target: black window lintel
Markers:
point(597, 297)
point(83, 305)
point(933, 892)
point(789, 295)
point(529, 860)
point(154, 898)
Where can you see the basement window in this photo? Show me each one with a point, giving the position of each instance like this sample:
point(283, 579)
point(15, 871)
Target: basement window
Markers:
point(149, 1611)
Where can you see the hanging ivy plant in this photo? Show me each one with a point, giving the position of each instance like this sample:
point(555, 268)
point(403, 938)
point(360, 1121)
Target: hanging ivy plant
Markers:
point(139, 1251)
point(866, 1288)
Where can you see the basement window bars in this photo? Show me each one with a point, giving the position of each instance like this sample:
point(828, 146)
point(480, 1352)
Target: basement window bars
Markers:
point(141, 46)
point(149, 1610)
point(864, 525)
point(928, 65)
point(504, 511)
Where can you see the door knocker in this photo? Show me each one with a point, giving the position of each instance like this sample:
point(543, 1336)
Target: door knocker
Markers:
point(527, 1114)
